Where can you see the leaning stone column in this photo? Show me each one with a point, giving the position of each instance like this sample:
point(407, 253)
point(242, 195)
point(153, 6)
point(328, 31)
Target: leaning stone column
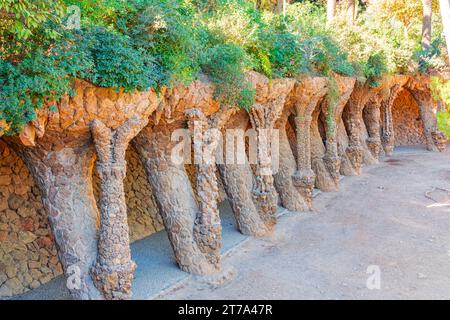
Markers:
point(64, 177)
point(173, 194)
point(371, 116)
point(263, 119)
point(237, 178)
point(290, 196)
point(420, 90)
point(387, 130)
point(207, 227)
point(331, 112)
point(307, 95)
point(113, 272)
point(269, 103)
point(353, 121)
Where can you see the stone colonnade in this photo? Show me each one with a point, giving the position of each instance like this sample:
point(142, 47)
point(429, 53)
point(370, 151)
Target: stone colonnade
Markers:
point(339, 125)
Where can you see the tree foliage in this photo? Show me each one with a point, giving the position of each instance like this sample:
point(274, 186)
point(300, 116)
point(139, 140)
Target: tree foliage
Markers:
point(142, 44)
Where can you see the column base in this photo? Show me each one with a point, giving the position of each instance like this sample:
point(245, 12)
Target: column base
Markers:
point(388, 145)
point(266, 204)
point(333, 165)
point(355, 155)
point(439, 140)
point(374, 145)
point(304, 182)
point(209, 239)
point(114, 282)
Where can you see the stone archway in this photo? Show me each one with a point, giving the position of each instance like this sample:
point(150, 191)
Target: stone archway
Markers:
point(407, 120)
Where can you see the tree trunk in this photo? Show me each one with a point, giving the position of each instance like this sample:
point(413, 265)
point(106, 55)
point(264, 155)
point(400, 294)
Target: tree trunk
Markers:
point(281, 6)
point(445, 13)
point(331, 10)
point(350, 9)
point(426, 24)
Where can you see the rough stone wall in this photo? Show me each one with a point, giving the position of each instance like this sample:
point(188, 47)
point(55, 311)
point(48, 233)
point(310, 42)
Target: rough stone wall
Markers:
point(408, 125)
point(28, 256)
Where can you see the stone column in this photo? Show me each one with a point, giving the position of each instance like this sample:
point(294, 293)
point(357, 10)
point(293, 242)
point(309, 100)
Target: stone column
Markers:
point(64, 178)
point(290, 196)
point(323, 178)
point(113, 272)
point(387, 130)
point(238, 179)
point(331, 113)
point(371, 116)
point(307, 95)
point(173, 193)
point(352, 117)
point(421, 92)
point(263, 119)
point(206, 137)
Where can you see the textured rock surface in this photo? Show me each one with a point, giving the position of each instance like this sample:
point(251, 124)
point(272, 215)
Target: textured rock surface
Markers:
point(143, 216)
point(61, 184)
point(238, 182)
point(113, 271)
point(28, 256)
point(419, 88)
point(329, 138)
point(303, 100)
point(408, 128)
point(61, 162)
point(168, 178)
point(269, 103)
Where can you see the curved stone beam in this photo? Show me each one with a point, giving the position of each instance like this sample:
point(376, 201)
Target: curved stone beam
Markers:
point(113, 272)
point(305, 98)
point(237, 177)
point(64, 178)
point(420, 90)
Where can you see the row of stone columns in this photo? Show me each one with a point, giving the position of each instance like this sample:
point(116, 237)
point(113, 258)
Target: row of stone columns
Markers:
point(332, 136)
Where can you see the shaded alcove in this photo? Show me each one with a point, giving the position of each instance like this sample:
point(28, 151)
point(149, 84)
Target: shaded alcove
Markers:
point(407, 121)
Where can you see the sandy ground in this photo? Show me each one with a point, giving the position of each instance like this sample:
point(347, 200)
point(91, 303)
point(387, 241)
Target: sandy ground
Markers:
point(383, 220)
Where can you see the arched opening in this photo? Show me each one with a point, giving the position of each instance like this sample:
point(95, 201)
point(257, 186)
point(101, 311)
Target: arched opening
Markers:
point(407, 121)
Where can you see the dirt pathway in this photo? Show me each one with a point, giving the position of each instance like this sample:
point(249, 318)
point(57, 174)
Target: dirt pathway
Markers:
point(383, 220)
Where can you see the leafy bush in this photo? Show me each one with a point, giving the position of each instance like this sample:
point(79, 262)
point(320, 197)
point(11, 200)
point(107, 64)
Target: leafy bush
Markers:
point(443, 122)
point(117, 64)
point(224, 65)
point(168, 30)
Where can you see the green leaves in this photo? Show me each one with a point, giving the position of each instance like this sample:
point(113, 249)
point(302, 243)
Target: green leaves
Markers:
point(224, 65)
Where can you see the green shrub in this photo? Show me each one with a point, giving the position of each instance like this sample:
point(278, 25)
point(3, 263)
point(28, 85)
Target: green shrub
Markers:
point(224, 65)
point(117, 64)
point(443, 122)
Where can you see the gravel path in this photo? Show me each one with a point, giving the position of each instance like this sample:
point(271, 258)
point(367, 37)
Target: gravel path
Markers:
point(384, 220)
